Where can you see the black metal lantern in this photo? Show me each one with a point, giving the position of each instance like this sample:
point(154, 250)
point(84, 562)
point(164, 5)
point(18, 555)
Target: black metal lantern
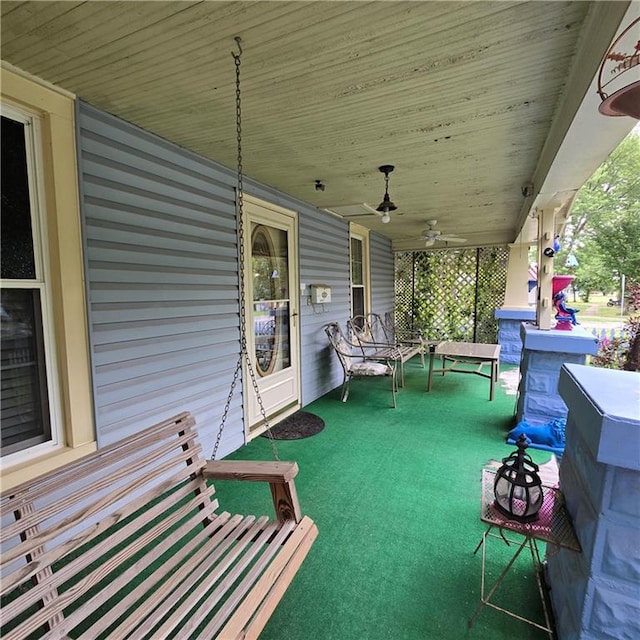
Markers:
point(386, 206)
point(517, 487)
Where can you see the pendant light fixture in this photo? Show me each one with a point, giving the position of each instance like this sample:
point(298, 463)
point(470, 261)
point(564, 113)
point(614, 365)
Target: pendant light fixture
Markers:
point(386, 206)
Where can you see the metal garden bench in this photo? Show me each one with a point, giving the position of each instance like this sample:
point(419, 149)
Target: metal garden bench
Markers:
point(371, 334)
point(355, 363)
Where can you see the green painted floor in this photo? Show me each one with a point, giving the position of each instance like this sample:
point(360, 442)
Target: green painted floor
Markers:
point(396, 497)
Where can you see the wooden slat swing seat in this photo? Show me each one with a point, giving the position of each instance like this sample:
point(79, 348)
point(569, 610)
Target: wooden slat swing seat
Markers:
point(129, 541)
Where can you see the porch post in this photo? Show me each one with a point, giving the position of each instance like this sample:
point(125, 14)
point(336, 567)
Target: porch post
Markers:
point(516, 308)
point(595, 594)
point(546, 229)
point(516, 295)
point(543, 354)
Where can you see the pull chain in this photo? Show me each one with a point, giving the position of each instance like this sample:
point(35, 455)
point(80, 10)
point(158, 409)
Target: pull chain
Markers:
point(244, 353)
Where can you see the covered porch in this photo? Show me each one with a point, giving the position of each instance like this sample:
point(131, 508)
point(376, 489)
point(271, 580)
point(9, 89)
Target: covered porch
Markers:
point(488, 112)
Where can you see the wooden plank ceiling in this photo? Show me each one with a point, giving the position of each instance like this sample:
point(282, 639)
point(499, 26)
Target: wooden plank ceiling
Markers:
point(459, 96)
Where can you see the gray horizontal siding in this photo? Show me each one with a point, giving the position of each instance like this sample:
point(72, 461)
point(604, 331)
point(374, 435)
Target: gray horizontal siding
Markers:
point(162, 284)
point(324, 259)
point(162, 281)
point(382, 274)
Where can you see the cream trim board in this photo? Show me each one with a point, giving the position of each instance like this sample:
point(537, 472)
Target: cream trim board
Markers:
point(362, 233)
point(64, 248)
point(263, 212)
point(24, 472)
point(264, 204)
point(7, 66)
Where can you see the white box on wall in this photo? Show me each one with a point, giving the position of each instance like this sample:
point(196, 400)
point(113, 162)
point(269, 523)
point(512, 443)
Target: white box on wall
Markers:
point(320, 293)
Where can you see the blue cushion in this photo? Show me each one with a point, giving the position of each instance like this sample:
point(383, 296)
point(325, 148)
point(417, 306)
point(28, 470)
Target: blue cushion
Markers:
point(549, 437)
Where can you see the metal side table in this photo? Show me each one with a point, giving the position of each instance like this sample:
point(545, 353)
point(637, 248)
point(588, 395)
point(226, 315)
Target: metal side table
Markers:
point(553, 526)
point(470, 352)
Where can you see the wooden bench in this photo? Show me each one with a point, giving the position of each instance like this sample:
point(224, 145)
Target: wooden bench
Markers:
point(129, 542)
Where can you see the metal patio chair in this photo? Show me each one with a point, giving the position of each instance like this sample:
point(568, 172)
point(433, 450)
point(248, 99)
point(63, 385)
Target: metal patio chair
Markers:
point(410, 335)
point(371, 335)
point(356, 364)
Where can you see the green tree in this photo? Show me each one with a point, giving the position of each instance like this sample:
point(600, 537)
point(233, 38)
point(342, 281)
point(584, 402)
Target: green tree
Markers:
point(592, 273)
point(605, 219)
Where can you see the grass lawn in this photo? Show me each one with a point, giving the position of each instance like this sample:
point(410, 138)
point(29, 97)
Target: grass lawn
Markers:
point(596, 310)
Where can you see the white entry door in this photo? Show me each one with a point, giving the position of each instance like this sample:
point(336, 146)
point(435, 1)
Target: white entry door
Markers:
point(272, 330)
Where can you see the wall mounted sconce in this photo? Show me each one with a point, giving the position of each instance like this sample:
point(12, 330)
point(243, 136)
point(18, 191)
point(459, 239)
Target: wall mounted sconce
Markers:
point(527, 189)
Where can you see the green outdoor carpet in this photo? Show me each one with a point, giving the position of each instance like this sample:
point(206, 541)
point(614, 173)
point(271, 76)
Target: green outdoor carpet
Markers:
point(396, 497)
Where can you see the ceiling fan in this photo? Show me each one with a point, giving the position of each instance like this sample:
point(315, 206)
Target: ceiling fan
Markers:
point(359, 210)
point(383, 210)
point(431, 235)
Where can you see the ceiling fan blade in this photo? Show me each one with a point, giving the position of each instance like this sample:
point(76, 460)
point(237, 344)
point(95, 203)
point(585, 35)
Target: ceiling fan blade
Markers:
point(429, 242)
point(452, 239)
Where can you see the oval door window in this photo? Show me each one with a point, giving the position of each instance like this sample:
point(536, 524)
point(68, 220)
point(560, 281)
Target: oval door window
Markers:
point(270, 278)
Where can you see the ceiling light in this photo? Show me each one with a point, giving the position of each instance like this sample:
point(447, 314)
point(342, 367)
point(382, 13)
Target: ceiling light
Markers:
point(386, 206)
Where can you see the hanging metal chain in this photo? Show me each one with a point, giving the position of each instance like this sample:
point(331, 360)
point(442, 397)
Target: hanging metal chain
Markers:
point(244, 353)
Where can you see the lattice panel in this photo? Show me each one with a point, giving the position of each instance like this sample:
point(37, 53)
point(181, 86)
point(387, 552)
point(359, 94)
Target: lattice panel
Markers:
point(492, 283)
point(451, 294)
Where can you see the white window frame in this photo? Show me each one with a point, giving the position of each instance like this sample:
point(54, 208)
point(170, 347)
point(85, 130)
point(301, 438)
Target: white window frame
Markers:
point(360, 233)
point(41, 282)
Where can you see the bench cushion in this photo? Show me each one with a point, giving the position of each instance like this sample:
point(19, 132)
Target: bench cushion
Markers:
point(371, 368)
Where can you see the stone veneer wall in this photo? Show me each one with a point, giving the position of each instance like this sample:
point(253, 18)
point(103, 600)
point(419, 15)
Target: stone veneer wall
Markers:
point(509, 321)
point(596, 593)
point(543, 354)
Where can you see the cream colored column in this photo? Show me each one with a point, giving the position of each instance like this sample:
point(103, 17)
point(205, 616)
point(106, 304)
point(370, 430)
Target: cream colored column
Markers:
point(516, 294)
point(544, 307)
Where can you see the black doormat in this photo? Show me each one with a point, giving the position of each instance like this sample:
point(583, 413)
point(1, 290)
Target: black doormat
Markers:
point(299, 425)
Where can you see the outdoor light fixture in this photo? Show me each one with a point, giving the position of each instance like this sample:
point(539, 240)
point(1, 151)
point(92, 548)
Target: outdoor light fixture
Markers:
point(623, 56)
point(386, 206)
point(517, 487)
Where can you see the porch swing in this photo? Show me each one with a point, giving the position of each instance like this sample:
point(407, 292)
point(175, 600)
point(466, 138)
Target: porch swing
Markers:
point(140, 536)
point(279, 475)
point(285, 499)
